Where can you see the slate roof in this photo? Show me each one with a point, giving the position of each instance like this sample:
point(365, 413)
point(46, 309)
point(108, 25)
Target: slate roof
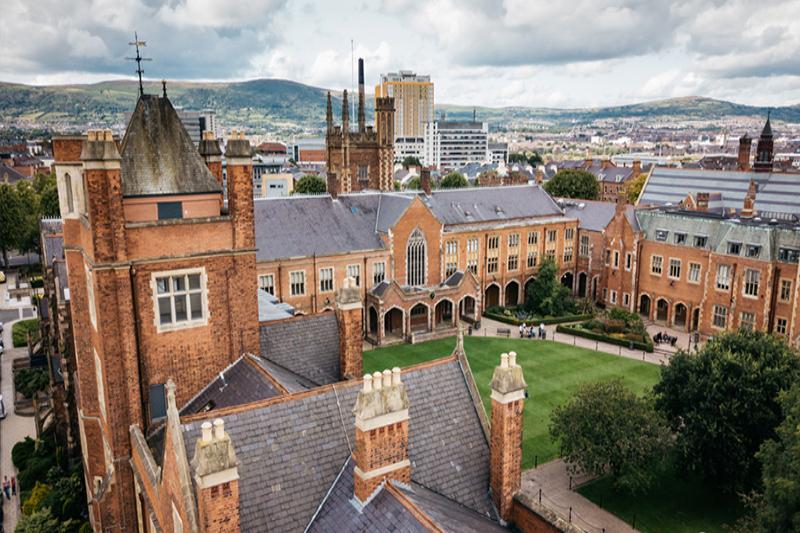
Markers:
point(447, 514)
point(292, 449)
point(383, 513)
point(484, 204)
point(777, 192)
point(10, 175)
point(305, 345)
point(158, 156)
point(594, 215)
point(270, 308)
point(288, 379)
point(242, 382)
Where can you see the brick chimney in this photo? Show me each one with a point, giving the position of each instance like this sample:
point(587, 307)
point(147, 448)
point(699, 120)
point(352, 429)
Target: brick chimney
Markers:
point(508, 398)
point(701, 201)
point(216, 477)
point(743, 161)
point(748, 209)
point(425, 180)
point(101, 164)
point(333, 184)
point(240, 190)
point(348, 316)
point(381, 450)
point(636, 168)
point(212, 154)
point(539, 176)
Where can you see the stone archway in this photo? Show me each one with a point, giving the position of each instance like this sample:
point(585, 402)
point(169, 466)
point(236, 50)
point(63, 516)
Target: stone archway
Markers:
point(582, 285)
point(468, 309)
point(526, 287)
point(418, 318)
point(644, 305)
point(372, 321)
point(681, 315)
point(443, 314)
point(512, 294)
point(492, 296)
point(393, 322)
point(662, 310)
point(567, 280)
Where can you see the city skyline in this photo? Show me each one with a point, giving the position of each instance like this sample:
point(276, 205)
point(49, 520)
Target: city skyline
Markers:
point(636, 51)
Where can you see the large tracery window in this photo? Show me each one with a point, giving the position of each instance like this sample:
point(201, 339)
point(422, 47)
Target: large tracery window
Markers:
point(416, 259)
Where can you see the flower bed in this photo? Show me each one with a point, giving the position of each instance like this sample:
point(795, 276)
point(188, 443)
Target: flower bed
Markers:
point(616, 326)
point(511, 316)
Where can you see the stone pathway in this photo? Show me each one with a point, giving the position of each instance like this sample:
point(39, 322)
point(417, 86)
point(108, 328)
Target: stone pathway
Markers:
point(554, 481)
point(13, 428)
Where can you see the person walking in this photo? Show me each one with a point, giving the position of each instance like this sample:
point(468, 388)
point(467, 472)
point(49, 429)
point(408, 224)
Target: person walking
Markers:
point(6, 488)
point(522, 330)
point(542, 331)
point(13, 485)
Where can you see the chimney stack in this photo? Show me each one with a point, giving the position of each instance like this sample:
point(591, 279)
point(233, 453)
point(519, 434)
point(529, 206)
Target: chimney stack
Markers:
point(743, 161)
point(508, 398)
point(348, 317)
point(345, 113)
point(212, 154)
point(333, 184)
point(381, 449)
point(329, 114)
point(216, 476)
point(701, 202)
point(636, 168)
point(425, 180)
point(362, 121)
point(748, 209)
point(240, 189)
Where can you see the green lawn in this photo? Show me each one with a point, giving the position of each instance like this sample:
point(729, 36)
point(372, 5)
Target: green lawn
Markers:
point(553, 372)
point(675, 504)
point(20, 330)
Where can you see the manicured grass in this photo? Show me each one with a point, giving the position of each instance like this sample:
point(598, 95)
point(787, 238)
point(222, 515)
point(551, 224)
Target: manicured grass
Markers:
point(552, 370)
point(19, 332)
point(675, 504)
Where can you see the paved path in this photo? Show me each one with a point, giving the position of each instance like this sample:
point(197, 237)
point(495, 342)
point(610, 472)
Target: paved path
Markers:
point(12, 429)
point(554, 481)
point(489, 328)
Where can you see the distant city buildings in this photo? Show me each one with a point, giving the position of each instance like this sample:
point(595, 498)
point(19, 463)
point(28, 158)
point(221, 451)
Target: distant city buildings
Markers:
point(196, 122)
point(413, 104)
point(452, 144)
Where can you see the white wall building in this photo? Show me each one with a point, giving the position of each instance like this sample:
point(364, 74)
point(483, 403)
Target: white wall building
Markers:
point(453, 144)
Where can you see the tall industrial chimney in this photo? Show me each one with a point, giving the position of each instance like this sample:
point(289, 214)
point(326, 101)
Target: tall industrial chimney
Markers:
point(362, 121)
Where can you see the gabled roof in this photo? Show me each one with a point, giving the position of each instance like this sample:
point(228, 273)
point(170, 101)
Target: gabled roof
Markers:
point(158, 156)
point(9, 175)
point(305, 345)
point(484, 204)
point(292, 448)
point(595, 215)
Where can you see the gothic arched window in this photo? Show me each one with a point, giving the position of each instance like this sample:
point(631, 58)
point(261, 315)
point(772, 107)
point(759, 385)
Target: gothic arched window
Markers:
point(416, 259)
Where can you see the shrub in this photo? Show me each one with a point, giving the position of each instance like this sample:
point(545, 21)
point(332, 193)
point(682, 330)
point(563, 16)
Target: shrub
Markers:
point(20, 330)
point(36, 469)
point(578, 330)
point(38, 522)
point(34, 502)
point(28, 381)
point(22, 452)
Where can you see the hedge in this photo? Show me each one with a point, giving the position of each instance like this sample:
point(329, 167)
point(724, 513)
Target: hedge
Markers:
point(19, 332)
point(585, 333)
point(537, 320)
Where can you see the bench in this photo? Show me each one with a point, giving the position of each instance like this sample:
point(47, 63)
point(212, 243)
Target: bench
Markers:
point(504, 331)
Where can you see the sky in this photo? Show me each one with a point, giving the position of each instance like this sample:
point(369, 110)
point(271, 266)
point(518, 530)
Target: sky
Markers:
point(540, 53)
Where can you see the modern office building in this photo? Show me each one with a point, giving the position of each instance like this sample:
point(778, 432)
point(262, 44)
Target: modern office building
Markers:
point(413, 101)
point(452, 144)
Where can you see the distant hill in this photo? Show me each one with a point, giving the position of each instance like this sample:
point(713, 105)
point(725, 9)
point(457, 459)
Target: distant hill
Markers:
point(289, 107)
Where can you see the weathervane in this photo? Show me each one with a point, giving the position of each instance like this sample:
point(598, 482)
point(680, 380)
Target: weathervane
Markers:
point(137, 43)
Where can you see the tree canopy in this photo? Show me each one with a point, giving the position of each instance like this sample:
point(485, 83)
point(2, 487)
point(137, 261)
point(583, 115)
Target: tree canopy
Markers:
point(21, 207)
point(545, 296)
point(310, 184)
point(607, 429)
point(454, 180)
point(573, 183)
point(531, 158)
point(411, 161)
point(634, 188)
point(414, 184)
point(723, 403)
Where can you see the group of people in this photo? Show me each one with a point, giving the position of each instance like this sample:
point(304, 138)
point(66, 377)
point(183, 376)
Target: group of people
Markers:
point(532, 331)
point(9, 487)
point(665, 338)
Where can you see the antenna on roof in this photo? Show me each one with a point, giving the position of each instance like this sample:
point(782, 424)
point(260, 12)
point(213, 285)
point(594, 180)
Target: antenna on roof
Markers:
point(137, 43)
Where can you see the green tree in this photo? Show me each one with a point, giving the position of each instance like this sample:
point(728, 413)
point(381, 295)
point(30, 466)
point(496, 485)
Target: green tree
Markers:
point(723, 403)
point(517, 157)
point(607, 429)
point(11, 213)
point(454, 180)
point(310, 184)
point(38, 494)
point(46, 188)
point(573, 183)
point(535, 159)
point(634, 188)
point(414, 184)
point(780, 457)
point(30, 201)
point(545, 296)
point(29, 381)
point(41, 521)
point(411, 161)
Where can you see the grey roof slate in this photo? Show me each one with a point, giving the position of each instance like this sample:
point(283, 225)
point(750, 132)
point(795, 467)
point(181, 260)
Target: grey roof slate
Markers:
point(777, 192)
point(449, 515)
point(238, 384)
point(270, 308)
point(158, 156)
point(10, 175)
point(290, 451)
point(595, 215)
point(288, 379)
point(382, 513)
point(305, 345)
point(483, 204)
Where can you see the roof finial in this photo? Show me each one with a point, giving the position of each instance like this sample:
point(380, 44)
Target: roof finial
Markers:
point(137, 43)
point(164, 87)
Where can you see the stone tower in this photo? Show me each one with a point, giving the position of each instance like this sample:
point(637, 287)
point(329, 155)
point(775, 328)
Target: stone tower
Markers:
point(765, 150)
point(743, 161)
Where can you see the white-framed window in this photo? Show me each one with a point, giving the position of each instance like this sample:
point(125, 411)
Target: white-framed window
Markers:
point(326, 279)
point(613, 296)
point(584, 246)
point(378, 272)
point(674, 268)
point(781, 326)
point(513, 240)
point(180, 298)
point(786, 290)
point(628, 261)
point(532, 259)
point(616, 258)
point(656, 264)
point(297, 283)
point(751, 281)
point(723, 277)
point(551, 235)
point(626, 299)
point(700, 241)
point(747, 321)
point(533, 238)
point(101, 389)
point(472, 255)
point(569, 234)
point(694, 273)
point(266, 282)
point(354, 271)
point(720, 316)
point(679, 238)
point(494, 242)
point(662, 234)
point(450, 258)
point(550, 254)
point(90, 296)
point(491, 264)
point(513, 262)
point(416, 259)
point(734, 248)
point(567, 254)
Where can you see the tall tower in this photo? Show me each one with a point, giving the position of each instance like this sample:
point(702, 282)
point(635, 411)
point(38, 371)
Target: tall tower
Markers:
point(362, 119)
point(745, 142)
point(384, 124)
point(163, 284)
point(765, 150)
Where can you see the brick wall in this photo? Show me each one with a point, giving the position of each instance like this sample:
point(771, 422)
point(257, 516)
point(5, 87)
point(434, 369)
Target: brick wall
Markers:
point(377, 448)
point(506, 454)
point(218, 508)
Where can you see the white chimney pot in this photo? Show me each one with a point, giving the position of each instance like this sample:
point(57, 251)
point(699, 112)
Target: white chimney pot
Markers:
point(206, 430)
point(219, 429)
point(367, 383)
point(376, 380)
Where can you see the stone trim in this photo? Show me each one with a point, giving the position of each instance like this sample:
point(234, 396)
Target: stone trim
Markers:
point(405, 463)
point(217, 478)
point(508, 397)
point(110, 164)
point(382, 420)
